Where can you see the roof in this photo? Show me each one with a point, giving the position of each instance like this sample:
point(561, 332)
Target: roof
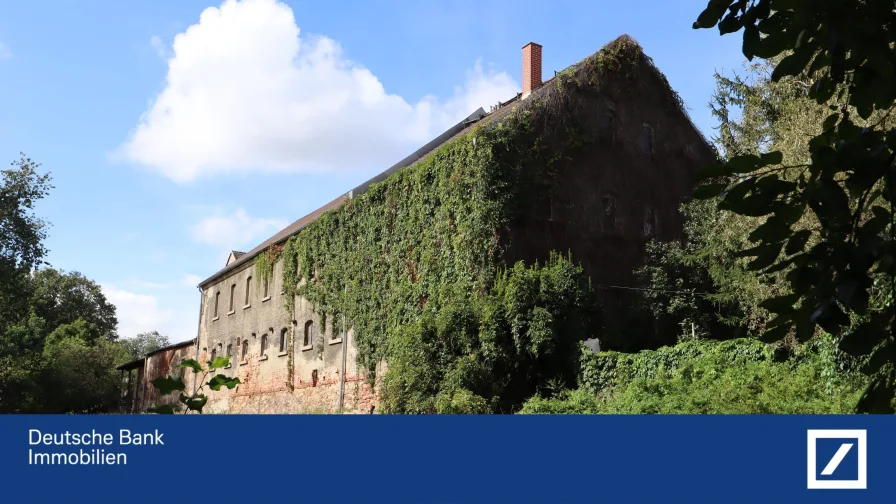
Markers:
point(136, 363)
point(300, 224)
point(498, 112)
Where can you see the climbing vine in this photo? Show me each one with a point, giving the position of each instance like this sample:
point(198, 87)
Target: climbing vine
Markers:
point(416, 263)
point(264, 265)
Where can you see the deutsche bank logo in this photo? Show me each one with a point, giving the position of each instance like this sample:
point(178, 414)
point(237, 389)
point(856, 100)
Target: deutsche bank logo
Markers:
point(837, 459)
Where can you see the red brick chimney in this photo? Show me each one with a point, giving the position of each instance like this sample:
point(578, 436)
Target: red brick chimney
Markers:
point(531, 68)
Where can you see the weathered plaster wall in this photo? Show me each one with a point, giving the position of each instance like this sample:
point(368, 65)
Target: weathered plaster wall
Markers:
point(298, 378)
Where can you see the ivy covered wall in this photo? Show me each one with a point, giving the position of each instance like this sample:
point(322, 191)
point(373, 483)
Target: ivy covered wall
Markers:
point(423, 265)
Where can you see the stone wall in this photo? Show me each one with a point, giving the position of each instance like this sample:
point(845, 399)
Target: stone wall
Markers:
point(294, 377)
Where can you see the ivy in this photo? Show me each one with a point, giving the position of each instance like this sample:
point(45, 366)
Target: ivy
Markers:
point(416, 266)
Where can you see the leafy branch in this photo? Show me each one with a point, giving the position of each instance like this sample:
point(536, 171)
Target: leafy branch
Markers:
point(196, 401)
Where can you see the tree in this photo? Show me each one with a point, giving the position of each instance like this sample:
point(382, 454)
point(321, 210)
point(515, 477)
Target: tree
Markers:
point(61, 298)
point(79, 374)
point(21, 235)
point(144, 343)
point(841, 275)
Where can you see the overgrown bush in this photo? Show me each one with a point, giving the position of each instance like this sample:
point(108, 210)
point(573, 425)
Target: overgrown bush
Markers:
point(701, 376)
point(490, 353)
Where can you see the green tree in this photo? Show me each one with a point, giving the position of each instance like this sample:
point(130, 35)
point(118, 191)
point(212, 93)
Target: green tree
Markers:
point(79, 373)
point(144, 343)
point(61, 298)
point(21, 235)
point(845, 269)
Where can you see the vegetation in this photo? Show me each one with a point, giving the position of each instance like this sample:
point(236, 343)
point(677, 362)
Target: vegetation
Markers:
point(59, 344)
point(197, 400)
point(422, 255)
point(839, 270)
point(703, 376)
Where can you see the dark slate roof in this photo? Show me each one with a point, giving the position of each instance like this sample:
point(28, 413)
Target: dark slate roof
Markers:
point(300, 224)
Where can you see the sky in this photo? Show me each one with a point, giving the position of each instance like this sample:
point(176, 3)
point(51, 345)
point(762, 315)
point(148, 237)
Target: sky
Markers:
point(179, 130)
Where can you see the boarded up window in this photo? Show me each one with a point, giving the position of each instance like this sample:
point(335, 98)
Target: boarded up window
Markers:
point(650, 223)
point(609, 213)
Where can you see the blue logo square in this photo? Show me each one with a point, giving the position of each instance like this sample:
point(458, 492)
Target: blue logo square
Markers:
point(829, 456)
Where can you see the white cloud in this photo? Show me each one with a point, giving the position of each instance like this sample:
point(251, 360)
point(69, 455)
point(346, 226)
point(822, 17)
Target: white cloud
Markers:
point(5, 53)
point(245, 92)
point(235, 230)
point(139, 313)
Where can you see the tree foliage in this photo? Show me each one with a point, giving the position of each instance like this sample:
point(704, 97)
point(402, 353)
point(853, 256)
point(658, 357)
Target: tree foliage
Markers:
point(144, 343)
point(845, 268)
point(195, 401)
point(58, 348)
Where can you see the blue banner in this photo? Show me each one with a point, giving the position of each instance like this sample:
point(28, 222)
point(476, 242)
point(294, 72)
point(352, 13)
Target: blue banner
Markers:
point(380, 458)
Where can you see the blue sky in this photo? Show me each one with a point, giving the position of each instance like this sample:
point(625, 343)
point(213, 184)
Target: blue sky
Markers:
point(179, 130)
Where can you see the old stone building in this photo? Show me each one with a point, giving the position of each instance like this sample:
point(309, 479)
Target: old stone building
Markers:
point(623, 187)
point(138, 394)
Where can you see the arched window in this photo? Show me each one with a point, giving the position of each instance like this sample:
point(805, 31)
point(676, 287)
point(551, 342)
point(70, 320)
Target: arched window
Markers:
point(308, 340)
point(248, 284)
point(245, 349)
point(264, 344)
point(232, 294)
point(214, 354)
point(283, 333)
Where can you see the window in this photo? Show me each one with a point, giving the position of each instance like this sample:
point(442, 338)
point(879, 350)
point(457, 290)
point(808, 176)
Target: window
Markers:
point(217, 297)
point(232, 293)
point(283, 333)
point(647, 138)
point(214, 354)
point(609, 212)
point(650, 223)
point(609, 125)
point(248, 283)
point(265, 286)
point(309, 335)
point(245, 349)
point(264, 344)
point(229, 350)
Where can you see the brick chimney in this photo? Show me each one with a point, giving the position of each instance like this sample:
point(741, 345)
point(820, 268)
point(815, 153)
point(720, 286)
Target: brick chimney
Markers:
point(531, 68)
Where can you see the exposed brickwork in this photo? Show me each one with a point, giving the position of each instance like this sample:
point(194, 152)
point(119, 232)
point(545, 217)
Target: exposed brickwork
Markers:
point(531, 67)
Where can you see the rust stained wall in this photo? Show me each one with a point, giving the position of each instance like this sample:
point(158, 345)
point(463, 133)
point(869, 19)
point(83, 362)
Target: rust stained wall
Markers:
point(162, 364)
point(641, 153)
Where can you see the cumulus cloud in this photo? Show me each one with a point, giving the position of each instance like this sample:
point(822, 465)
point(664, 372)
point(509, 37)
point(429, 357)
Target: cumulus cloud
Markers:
point(5, 53)
point(244, 92)
point(237, 229)
point(138, 313)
